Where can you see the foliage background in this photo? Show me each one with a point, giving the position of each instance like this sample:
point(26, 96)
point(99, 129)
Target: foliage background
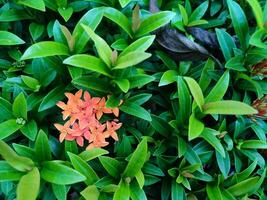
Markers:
point(185, 134)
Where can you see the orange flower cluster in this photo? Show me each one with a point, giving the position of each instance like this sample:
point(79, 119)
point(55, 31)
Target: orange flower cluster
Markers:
point(83, 120)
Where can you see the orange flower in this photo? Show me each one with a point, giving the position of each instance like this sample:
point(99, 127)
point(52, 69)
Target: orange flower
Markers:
point(83, 123)
point(111, 130)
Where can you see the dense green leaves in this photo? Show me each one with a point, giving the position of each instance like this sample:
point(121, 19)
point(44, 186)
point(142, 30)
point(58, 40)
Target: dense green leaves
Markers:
point(8, 127)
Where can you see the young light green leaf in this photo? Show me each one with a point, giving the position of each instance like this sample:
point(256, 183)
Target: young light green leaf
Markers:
point(168, 77)
point(137, 160)
point(7, 38)
point(140, 45)
point(228, 107)
point(123, 191)
point(88, 62)
point(92, 154)
point(28, 186)
point(19, 163)
point(90, 193)
point(103, 49)
point(124, 2)
point(199, 12)
point(131, 59)
point(256, 7)
point(195, 91)
point(195, 127)
point(119, 18)
point(253, 144)
point(45, 49)
point(57, 173)
point(219, 90)
point(184, 14)
point(19, 107)
point(35, 4)
point(154, 22)
point(123, 84)
point(84, 168)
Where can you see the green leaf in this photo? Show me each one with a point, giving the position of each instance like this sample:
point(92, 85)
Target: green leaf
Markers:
point(30, 130)
point(82, 166)
point(244, 187)
point(226, 42)
point(168, 77)
point(88, 62)
point(123, 191)
point(135, 110)
point(111, 165)
point(140, 80)
point(195, 127)
point(19, 163)
point(66, 13)
point(31, 82)
point(184, 14)
point(205, 79)
point(154, 22)
point(90, 193)
point(195, 91)
point(140, 178)
point(161, 126)
point(92, 18)
point(28, 186)
point(253, 144)
point(52, 98)
point(92, 154)
point(119, 18)
point(42, 147)
point(7, 38)
point(19, 107)
point(236, 63)
point(256, 7)
point(93, 83)
point(137, 160)
point(240, 23)
point(209, 135)
point(57, 173)
point(228, 107)
point(219, 90)
point(184, 101)
point(7, 173)
point(197, 22)
point(5, 109)
point(214, 192)
point(136, 192)
point(140, 45)
point(131, 59)
point(44, 49)
point(199, 12)
point(123, 84)
point(36, 30)
point(35, 4)
point(177, 191)
point(224, 163)
point(8, 127)
point(60, 191)
point(124, 2)
point(103, 49)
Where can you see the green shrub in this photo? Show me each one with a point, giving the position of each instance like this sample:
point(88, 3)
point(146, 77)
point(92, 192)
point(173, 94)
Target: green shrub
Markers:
point(173, 91)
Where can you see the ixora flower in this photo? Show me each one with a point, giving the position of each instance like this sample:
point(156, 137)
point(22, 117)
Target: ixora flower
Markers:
point(261, 106)
point(260, 68)
point(83, 115)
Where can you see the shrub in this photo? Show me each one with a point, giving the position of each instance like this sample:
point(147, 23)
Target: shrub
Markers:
point(165, 99)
